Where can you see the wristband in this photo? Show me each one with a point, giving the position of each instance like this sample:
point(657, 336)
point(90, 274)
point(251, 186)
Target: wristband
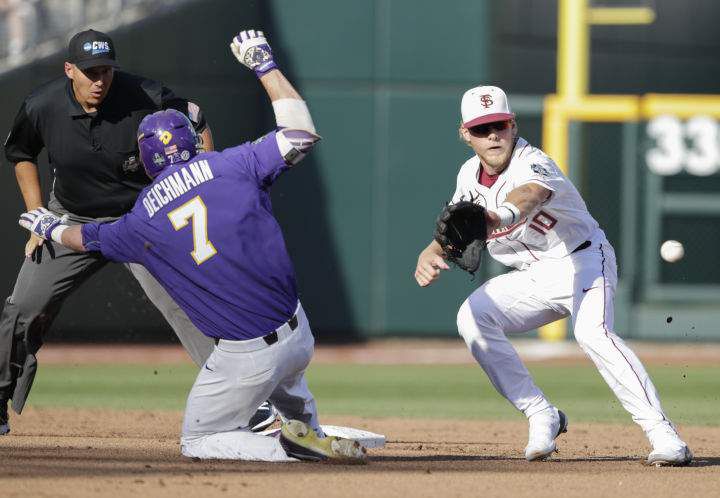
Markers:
point(56, 234)
point(508, 214)
point(264, 68)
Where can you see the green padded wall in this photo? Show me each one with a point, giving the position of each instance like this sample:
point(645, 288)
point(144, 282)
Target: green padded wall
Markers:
point(384, 86)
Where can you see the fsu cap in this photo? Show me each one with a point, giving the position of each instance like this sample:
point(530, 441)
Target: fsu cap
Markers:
point(484, 104)
point(90, 49)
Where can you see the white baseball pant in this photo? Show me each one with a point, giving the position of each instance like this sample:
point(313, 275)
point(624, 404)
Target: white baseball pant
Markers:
point(238, 376)
point(581, 285)
point(198, 345)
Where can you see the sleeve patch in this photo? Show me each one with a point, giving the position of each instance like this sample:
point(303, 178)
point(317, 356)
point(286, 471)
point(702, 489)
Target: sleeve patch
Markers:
point(540, 169)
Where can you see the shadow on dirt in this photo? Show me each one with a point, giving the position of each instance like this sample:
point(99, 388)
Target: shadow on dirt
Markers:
point(54, 461)
point(705, 462)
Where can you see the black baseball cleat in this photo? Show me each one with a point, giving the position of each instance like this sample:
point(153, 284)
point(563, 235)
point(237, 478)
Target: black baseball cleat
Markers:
point(263, 418)
point(4, 423)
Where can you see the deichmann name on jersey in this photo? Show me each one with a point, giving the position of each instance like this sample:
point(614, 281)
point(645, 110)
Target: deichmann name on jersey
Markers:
point(173, 186)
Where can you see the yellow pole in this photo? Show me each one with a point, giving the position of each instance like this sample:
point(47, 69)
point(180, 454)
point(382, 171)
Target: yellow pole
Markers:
point(555, 130)
point(621, 15)
point(555, 143)
point(683, 106)
point(572, 100)
point(572, 85)
point(573, 49)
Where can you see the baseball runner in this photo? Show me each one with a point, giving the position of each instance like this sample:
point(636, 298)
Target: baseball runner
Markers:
point(536, 222)
point(205, 230)
point(86, 120)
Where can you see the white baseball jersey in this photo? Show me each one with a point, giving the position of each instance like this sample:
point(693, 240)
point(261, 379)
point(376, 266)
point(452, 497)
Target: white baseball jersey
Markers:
point(553, 230)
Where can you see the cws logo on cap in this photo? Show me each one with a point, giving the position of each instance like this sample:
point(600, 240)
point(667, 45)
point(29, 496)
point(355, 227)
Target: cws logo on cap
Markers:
point(90, 49)
point(97, 47)
point(484, 104)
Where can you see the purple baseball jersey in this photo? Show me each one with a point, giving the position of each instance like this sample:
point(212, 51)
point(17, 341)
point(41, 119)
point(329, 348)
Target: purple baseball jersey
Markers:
point(206, 231)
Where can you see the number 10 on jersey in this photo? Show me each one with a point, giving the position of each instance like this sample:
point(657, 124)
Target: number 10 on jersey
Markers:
point(195, 209)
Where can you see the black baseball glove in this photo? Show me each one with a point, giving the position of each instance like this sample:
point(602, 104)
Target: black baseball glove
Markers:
point(461, 231)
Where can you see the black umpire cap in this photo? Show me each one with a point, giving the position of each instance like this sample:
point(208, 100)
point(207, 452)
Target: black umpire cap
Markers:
point(91, 48)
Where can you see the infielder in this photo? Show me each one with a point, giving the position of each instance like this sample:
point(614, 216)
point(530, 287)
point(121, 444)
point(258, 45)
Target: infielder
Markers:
point(205, 230)
point(564, 266)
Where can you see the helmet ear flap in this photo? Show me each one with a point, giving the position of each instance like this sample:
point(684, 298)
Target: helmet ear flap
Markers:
point(151, 156)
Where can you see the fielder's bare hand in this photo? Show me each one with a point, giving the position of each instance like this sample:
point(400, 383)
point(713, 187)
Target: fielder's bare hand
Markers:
point(430, 263)
point(492, 221)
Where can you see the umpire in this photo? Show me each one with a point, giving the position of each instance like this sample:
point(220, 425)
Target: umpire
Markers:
point(87, 121)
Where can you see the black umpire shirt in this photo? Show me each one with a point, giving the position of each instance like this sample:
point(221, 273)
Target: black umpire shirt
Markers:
point(94, 157)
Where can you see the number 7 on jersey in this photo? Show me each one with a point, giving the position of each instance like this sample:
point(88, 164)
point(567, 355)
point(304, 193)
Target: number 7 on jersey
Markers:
point(195, 209)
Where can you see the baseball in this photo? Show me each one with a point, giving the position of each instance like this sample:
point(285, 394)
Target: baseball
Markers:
point(672, 251)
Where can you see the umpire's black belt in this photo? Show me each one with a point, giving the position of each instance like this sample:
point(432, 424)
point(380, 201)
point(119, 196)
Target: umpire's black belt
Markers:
point(272, 337)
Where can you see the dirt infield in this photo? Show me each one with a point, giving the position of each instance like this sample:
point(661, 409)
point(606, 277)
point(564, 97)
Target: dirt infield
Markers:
point(101, 453)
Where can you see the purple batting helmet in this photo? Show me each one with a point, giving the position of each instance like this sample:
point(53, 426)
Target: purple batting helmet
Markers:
point(166, 137)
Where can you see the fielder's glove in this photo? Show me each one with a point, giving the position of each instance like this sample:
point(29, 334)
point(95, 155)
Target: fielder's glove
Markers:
point(253, 51)
point(42, 223)
point(461, 231)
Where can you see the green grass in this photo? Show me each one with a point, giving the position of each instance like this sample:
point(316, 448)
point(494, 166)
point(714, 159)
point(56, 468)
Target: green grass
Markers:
point(690, 395)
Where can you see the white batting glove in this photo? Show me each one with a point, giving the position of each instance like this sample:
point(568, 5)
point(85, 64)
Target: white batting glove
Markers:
point(253, 51)
point(44, 224)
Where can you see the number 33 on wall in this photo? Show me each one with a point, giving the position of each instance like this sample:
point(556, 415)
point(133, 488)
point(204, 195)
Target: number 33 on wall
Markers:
point(195, 209)
point(691, 146)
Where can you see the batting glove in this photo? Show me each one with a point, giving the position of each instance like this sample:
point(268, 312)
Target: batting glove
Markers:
point(253, 51)
point(44, 224)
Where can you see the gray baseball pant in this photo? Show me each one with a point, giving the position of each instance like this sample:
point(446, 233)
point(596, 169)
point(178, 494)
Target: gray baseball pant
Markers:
point(39, 292)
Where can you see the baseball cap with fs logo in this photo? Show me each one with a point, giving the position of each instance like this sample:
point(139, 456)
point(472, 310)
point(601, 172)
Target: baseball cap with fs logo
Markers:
point(484, 104)
point(90, 49)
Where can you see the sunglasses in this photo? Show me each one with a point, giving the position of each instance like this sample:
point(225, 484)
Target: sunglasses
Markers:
point(487, 128)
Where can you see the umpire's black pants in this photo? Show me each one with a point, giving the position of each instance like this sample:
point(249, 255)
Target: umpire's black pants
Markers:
point(39, 292)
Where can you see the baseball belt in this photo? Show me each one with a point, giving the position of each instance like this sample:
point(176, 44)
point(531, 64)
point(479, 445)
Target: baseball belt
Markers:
point(272, 337)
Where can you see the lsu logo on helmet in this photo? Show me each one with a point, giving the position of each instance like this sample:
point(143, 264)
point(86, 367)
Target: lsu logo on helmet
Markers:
point(165, 137)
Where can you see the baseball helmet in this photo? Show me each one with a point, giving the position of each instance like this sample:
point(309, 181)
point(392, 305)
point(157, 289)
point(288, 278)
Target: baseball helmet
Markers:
point(166, 137)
